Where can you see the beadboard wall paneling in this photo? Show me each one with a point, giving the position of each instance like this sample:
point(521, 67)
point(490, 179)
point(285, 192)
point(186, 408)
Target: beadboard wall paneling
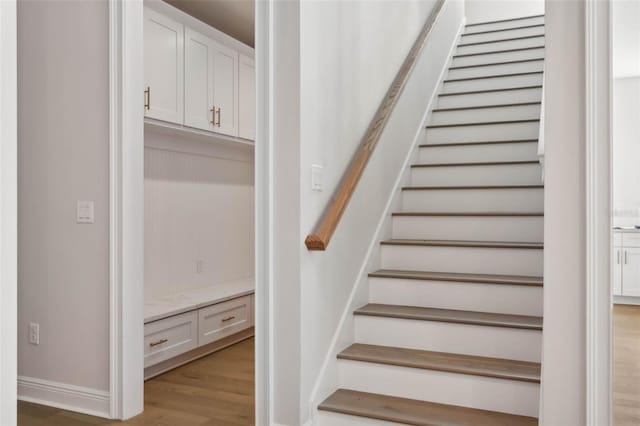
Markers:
point(197, 208)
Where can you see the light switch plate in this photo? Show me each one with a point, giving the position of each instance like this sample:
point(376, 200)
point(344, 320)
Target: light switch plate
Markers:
point(84, 212)
point(317, 177)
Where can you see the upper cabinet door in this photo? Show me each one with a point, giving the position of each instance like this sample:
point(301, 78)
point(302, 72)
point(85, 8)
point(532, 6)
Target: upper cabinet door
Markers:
point(163, 67)
point(225, 90)
point(247, 98)
point(198, 81)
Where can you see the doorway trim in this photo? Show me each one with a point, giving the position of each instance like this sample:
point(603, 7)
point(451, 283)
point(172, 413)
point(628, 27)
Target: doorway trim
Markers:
point(8, 212)
point(598, 212)
point(126, 86)
point(126, 264)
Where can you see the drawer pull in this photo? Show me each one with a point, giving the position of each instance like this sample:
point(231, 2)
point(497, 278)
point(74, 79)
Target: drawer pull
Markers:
point(159, 342)
point(229, 318)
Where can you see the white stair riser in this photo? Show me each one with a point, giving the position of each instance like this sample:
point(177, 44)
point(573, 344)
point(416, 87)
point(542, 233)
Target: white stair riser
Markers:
point(472, 228)
point(495, 298)
point(517, 32)
point(517, 112)
point(490, 98)
point(482, 133)
point(485, 393)
point(490, 58)
point(493, 83)
point(530, 66)
point(474, 260)
point(495, 342)
point(537, 20)
point(521, 151)
point(328, 418)
point(499, 45)
point(507, 174)
point(469, 200)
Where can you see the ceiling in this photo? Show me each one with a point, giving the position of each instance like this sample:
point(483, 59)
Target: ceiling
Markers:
point(233, 17)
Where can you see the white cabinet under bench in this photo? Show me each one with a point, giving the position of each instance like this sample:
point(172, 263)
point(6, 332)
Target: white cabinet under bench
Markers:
point(185, 326)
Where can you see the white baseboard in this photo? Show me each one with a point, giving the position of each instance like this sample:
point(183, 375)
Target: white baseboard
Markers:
point(626, 300)
point(64, 396)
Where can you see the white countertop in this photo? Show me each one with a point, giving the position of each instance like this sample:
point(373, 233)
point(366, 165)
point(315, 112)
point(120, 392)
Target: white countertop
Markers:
point(626, 230)
point(190, 300)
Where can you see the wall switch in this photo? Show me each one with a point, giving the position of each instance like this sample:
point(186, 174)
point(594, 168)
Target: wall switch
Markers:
point(84, 212)
point(34, 333)
point(317, 177)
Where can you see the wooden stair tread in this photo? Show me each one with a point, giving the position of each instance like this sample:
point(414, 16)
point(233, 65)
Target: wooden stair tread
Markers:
point(416, 413)
point(501, 30)
point(458, 277)
point(519, 18)
point(467, 214)
point(483, 163)
point(441, 361)
point(491, 52)
point(460, 243)
point(451, 316)
point(441, 145)
point(429, 188)
point(506, 89)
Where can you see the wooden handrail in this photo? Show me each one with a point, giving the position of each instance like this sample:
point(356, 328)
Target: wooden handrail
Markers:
point(319, 239)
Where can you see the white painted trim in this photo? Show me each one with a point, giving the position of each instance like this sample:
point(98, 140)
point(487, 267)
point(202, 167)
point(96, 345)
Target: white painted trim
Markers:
point(626, 300)
point(126, 143)
point(598, 213)
point(264, 214)
point(8, 212)
point(61, 395)
point(384, 220)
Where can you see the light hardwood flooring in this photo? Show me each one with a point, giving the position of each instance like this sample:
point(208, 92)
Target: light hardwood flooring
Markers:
point(626, 365)
point(217, 390)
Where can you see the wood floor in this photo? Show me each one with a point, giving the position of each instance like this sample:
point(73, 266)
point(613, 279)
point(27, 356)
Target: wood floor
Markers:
point(217, 390)
point(626, 365)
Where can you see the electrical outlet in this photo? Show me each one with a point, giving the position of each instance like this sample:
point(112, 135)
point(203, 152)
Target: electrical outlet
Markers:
point(199, 266)
point(317, 177)
point(34, 333)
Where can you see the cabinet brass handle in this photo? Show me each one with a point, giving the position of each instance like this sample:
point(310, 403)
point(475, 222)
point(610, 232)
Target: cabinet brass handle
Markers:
point(147, 98)
point(228, 318)
point(213, 116)
point(159, 342)
point(219, 116)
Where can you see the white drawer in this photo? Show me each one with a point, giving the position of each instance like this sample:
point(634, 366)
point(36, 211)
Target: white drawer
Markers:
point(169, 337)
point(617, 239)
point(631, 239)
point(224, 319)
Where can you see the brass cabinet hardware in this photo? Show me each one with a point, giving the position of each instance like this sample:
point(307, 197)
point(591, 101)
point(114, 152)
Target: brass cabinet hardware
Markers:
point(213, 115)
point(147, 98)
point(219, 108)
point(228, 318)
point(159, 342)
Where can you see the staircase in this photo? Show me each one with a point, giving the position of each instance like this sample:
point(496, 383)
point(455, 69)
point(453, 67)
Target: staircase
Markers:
point(452, 334)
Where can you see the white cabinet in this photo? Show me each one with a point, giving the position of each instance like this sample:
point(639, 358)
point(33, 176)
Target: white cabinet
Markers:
point(631, 271)
point(246, 98)
point(169, 337)
point(625, 263)
point(224, 319)
point(163, 67)
point(616, 265)
point(194, 80)
point(198, 81)
point(225, 90)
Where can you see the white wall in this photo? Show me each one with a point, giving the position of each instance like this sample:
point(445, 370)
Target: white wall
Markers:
point(493, 10)
point(563, 375)
point(362, 46)
point(198, 207)
point(63, 155)
point(626, 151)
point(625, 22)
